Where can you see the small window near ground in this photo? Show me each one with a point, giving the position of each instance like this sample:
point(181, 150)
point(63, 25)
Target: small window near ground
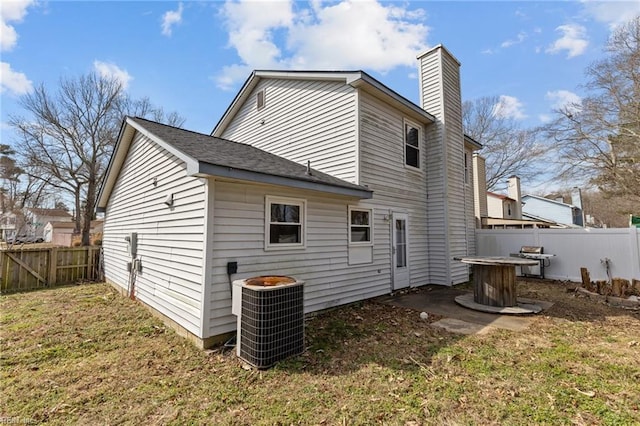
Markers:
point(412, 145)
point(260, 99)
point(360, 226)
point(284, 223)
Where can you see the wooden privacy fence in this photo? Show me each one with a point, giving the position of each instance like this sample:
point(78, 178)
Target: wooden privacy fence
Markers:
point(33, 268)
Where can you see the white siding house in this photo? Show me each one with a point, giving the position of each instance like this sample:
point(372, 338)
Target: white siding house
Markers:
point(380, 191)
point(556, 211)
point(179, 205)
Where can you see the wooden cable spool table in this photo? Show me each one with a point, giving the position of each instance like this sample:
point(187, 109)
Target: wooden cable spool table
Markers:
point(494, 281)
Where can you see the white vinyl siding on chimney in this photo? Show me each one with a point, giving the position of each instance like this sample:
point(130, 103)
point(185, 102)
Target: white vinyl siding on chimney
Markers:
point(469, 203)
point(304, 121)
point(447, 237)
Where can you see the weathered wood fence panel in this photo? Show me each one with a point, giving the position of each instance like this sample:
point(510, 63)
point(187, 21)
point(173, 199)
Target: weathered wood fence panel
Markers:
point(28, 269)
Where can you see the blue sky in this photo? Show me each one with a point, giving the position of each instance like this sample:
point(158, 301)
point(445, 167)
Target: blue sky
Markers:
point(193, 56)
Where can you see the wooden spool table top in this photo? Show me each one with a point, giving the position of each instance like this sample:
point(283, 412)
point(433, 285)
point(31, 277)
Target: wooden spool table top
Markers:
point(494, 282)
point(496, 261)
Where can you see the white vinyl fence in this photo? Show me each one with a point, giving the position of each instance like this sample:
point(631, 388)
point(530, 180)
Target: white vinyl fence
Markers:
point(574, 249)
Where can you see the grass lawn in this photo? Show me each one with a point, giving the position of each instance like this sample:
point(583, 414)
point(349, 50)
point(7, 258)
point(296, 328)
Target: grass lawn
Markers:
point(86, 355)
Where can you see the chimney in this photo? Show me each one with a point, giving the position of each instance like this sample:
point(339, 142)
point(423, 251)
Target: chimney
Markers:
point(440, 95)
point(576, 200)
point(479, 189)
point(513, 191)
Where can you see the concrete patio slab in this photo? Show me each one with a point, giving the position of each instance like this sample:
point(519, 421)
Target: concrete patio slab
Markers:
point(440, 300)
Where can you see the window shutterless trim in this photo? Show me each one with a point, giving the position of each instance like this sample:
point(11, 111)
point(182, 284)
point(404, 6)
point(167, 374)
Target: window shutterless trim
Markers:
point(369, 226)
point(302, 222)
point(408, 123)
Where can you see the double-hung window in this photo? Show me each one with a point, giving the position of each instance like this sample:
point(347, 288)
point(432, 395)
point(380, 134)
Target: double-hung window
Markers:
point(411, 144)
point(285, 221)
point(360, 229)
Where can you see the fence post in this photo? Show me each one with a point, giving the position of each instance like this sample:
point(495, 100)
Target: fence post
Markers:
point(90, 263)
point(53, 266)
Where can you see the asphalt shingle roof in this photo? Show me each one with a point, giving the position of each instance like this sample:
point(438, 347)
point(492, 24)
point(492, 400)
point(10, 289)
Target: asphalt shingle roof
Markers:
point(225, 153)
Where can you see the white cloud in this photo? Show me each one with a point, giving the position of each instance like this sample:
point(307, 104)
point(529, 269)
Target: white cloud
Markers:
point(612, 13)
point(545, 118)
point(171, 18)
point(522, 36)
point(343, 35)
point(11, 11)
point(564, 99)
point(109, 70)
point(509, 107)
point(15, 82)
point(573, 40)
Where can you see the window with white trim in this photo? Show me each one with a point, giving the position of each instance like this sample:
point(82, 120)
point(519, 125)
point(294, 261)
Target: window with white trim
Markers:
point(284, 222)
point(360, 229)
point(411, 144)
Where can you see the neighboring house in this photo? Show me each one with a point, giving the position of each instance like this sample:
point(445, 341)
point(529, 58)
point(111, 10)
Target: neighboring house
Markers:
point(568, 215)
point(501, 206)
point(9, 224)
point(500, 210)
point(36, 219)
point(332, 178)
point(30, 222)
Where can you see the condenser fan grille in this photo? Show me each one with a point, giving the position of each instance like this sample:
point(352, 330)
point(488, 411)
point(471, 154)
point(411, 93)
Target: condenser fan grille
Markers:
point(271, 324)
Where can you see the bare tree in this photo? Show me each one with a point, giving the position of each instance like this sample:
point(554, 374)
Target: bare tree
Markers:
point(598, 139)
point(70, 135)
point(507, 148)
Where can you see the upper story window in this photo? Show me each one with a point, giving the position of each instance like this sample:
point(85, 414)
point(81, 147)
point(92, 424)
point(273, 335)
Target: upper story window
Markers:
point(285, 222)
point(360, 230)
point(412, 145)
point(260, 99)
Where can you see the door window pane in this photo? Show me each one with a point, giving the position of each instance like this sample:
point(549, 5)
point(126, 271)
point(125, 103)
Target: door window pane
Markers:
point(401, 243)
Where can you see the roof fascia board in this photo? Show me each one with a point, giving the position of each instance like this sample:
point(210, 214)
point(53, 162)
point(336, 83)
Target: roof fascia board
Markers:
point(235, 105)
point(310, 75)
point(355, 79)
point(389, 95)
point(125, 136)
point(472, 142)
point(125, 139)
point(207, 169)
point(191, 162)
point(549, 200)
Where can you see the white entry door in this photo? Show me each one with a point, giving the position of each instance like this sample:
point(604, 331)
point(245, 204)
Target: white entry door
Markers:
point(400, 251)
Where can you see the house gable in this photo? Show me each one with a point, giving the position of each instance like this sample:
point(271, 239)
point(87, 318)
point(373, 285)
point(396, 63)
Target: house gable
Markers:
point(308, 116)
